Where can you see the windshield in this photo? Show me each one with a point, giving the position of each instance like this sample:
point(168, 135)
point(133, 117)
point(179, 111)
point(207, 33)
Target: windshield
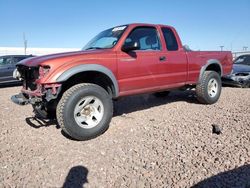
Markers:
point(106, 39)
point(245, 60)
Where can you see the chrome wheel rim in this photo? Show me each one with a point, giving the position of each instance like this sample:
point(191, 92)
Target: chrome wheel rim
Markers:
point(88, 112)
point(212, 87)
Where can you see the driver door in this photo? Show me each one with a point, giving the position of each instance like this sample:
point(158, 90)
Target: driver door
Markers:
point(137, 70)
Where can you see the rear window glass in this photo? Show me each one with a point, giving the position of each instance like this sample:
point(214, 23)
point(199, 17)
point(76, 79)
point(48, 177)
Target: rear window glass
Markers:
point(170, 39)
point(245, 60)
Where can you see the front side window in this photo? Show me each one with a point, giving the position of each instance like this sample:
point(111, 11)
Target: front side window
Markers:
point(170, 39)
point(5, 61)
point(106, 39)
point(147, 37)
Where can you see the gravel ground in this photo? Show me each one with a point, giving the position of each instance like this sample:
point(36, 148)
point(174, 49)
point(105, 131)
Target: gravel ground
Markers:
point(151, 142)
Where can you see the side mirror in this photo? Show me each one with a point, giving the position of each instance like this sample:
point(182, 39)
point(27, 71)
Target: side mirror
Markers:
point(130, 46)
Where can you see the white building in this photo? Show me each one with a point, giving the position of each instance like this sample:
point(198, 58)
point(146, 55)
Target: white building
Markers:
point(33, 51)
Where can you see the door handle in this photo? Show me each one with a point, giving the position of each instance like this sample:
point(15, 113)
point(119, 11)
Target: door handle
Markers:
point(162, 58)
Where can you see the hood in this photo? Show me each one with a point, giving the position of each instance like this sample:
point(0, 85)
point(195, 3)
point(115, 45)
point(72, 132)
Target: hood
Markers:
point(240, 68)
point(60, 58)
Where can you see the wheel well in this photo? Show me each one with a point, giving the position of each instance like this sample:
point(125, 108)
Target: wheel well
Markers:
point(214, 67)
point(93, 77)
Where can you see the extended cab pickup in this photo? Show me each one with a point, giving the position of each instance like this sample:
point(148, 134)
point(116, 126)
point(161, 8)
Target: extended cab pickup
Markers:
point(78, 87)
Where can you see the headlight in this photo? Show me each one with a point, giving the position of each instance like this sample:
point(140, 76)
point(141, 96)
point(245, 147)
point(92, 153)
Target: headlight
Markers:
point(17, 75)
point(43, 71)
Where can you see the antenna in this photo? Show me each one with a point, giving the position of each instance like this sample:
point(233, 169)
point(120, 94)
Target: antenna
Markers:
point(25, 41)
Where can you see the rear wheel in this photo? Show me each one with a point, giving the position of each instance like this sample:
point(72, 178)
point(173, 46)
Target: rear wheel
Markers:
point(85, 111)
point(209, 89)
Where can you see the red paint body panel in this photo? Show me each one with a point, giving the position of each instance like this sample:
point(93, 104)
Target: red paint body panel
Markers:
point(199, 58)
point(141, 71)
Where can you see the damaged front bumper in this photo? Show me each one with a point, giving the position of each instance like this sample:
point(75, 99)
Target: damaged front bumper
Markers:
point(239, 80)
point(21, 99)
point(34, 91)
point(43, 93)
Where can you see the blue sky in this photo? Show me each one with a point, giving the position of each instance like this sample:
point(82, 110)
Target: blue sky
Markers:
point(203, 25)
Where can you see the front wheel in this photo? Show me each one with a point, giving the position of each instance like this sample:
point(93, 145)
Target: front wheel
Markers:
point(85, 111)
point(209, 89)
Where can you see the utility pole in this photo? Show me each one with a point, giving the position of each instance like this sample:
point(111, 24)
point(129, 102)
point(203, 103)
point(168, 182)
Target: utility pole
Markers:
point(245, 48)
point(221, 48)
point(25, 41)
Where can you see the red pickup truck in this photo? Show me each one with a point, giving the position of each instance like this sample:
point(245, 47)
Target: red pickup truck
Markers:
point(78, 87)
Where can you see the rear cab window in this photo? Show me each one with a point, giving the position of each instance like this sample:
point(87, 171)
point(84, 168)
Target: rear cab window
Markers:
point(147, 37)
point(170, 39)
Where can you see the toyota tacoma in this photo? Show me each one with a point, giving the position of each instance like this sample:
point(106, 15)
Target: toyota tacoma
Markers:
point(78, 88)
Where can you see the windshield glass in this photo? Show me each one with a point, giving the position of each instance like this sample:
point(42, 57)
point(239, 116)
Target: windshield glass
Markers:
point(106, 39)
point(245, 60)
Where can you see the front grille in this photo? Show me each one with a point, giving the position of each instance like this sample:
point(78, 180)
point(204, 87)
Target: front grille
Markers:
point(29, 75)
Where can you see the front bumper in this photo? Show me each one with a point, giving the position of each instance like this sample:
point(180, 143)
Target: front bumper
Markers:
point(43, 93)
point(236, 83)
point(22, 100)
point(229, 82)
point(19, 99)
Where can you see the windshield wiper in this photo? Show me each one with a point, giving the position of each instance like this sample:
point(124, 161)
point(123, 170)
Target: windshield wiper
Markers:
point(93, 48)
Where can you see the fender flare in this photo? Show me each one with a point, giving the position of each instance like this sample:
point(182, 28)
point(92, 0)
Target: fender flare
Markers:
point(210, 62)
point(90, 67)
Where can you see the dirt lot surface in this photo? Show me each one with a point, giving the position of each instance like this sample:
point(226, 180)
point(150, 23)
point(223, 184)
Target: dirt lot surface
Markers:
point(151, 142)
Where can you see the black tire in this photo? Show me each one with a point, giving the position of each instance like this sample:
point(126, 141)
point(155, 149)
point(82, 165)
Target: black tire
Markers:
point(202, 89)
point(69, 101)
point(162, 94)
